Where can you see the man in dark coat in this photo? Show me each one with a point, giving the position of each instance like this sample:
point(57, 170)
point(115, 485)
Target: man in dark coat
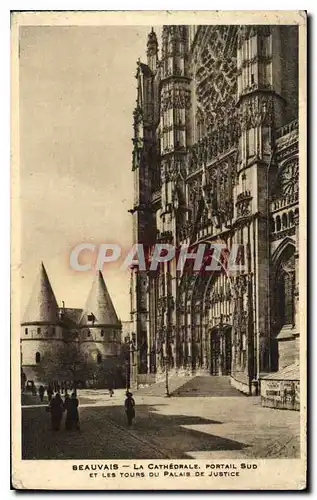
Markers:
point(41, 392)
point(49, 393)
point(129, 406)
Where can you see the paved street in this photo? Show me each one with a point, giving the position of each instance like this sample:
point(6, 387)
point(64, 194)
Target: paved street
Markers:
point(210, 427)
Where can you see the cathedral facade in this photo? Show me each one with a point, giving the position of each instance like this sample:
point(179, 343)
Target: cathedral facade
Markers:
point(70, 342)
point(215, 159)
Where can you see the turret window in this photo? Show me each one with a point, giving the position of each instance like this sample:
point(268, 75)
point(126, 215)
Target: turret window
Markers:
point(99, 358)
point(37, 358)
point(26, 331)
point(39, 330)
point(88, 333)
point(102, 333)
point(53, 330)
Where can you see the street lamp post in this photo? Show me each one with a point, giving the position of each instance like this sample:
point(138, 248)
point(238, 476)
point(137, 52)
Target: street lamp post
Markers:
point(127, 373)
point(252, 369)
point(167, 393)
point(221, 345)
point(129, 362)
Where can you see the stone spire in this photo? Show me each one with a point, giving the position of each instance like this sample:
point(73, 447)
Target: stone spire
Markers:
point(99, 304)
point(43, 306)
point(152, 50)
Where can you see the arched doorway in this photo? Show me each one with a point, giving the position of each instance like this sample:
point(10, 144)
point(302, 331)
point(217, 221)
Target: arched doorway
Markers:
point(215, 352)
point(283, 297)
point(220, 350)
point(218, 318)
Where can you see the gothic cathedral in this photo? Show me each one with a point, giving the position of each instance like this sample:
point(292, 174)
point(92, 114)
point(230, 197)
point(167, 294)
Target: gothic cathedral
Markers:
point(215, 159)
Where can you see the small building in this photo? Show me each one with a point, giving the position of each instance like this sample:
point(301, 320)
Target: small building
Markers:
point(282, 389)
point(81, 345)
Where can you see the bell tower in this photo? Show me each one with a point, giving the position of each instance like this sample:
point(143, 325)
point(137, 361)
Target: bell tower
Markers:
point(143, 164)
point(174, 129)
point(261, 106)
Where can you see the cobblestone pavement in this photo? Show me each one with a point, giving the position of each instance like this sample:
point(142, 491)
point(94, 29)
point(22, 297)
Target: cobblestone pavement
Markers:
point(176, 427)
point(99, 438)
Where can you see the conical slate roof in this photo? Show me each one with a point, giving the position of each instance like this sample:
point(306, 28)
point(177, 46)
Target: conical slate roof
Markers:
point(43, 305)
point(100, 304)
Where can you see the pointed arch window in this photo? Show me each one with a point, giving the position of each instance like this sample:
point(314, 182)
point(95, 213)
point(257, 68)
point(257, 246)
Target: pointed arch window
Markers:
point(37, 358)
point(285, 287)
point(291, 218)
point(284, 221)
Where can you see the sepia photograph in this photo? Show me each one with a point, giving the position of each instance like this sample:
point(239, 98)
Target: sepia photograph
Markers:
point(158, 206)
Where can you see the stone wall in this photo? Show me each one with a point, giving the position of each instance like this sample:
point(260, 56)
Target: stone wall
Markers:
point(287, 351)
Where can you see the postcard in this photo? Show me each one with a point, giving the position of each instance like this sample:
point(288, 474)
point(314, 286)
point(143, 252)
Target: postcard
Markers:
point(158, 268)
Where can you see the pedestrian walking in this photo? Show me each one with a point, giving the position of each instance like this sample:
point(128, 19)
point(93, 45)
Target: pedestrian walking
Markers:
point(56, 409)
point(41, 393)
point(72, 415)
point(49, 393)
point(74, 411)
point(129, 406)
point(68, 413)
point(110, 388)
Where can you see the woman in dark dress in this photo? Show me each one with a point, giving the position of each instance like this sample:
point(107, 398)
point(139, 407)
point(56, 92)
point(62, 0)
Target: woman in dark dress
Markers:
point(66, 408)
point(72, 417)
point(56, 409)
point(49, 393)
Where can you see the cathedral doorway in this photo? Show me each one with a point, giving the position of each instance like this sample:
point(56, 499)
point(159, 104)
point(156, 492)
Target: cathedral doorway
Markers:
point(220, 351)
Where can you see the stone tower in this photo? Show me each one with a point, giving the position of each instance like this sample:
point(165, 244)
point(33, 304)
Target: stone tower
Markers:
point(174, 135)
point(40, 325)
point(145, 157)
point(100, 332)
point(262, 97)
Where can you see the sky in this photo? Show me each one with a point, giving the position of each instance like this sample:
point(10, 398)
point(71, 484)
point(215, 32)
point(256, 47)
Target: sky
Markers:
point(77, 95)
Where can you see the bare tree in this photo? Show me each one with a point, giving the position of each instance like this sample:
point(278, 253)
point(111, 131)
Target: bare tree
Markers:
point(68, 362)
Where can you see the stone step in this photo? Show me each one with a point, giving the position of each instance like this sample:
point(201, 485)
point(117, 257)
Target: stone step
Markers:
point(199, 386)
point(159, 388)
point(208, 386)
